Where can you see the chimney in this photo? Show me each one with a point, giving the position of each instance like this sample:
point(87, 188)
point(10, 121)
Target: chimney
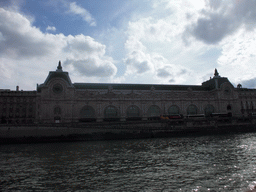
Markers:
point(17, 88)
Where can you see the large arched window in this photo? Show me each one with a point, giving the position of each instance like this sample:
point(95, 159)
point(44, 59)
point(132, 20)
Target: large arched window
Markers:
point(133, 111)
point(111, 112)
point(209, 109)
point(192, 110)
point(87, 112)
point(153, 111)
point(174, 110)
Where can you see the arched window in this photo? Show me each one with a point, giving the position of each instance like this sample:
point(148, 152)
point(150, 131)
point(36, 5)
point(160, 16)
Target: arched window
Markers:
point(209, 109)
point(111, 112)
point(154, 111)
point(192, 110)
point(87, 112)
point(133, 111)
point(57, 111)
point(229, 107)
point(174, 110)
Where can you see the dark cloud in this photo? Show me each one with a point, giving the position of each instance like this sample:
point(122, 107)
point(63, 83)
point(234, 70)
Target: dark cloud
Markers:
point(214, 4)
point(171, 81)
point(163, 73)
point(222, 18)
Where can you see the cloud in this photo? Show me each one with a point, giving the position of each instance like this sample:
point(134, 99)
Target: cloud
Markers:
point(147, 39)
point(171, 73)
point(24, 48)
point(92, 67)
point(50, 28)
point(238, 56)
point(78, 10)
point(83, 46)
point(21, 40)
point(163, 73)
point(221, 19)
point(138, 62)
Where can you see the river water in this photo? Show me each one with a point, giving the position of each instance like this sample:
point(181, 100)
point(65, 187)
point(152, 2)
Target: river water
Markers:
point(196, 163)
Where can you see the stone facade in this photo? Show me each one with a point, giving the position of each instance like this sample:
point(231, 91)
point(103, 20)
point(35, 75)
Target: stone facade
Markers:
point(60, 100)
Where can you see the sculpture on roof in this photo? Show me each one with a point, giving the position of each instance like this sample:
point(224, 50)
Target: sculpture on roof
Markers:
point(59, 68)
point(216, 74)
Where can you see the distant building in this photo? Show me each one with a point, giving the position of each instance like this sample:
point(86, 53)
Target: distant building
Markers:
point(60, 100)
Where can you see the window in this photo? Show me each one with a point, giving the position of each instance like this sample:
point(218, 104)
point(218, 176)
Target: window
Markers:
point(154, 111)
point(111, 112)
point(192, 110)
point(133, 111)
point(173, 110)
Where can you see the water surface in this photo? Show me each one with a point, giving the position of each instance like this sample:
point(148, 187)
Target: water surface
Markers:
point(205, 163)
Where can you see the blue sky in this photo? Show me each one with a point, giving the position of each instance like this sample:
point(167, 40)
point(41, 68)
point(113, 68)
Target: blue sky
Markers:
point(146, 41)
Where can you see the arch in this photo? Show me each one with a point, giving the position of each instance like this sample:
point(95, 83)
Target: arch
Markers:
point(192, 110)
point(87, 112)
point(174, 110)
point(229, 107)
point(208, 110)
point(133, 111)
point(153, 111)
point(111, 112)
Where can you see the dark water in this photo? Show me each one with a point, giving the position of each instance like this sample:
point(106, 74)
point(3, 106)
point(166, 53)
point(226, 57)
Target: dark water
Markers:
point(205, 163)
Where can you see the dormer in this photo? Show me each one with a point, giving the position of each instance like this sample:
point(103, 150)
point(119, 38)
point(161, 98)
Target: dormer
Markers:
point(57, 81)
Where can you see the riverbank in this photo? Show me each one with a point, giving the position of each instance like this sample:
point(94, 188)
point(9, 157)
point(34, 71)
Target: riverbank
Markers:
point(120, 130)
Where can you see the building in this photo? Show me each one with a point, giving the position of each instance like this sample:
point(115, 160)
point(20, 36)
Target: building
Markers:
point(59, 100)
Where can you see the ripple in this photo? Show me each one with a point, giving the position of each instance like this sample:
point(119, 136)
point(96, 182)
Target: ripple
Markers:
point(206, 163)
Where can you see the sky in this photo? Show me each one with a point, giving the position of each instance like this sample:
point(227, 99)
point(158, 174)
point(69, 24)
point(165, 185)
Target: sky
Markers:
point(127, 41)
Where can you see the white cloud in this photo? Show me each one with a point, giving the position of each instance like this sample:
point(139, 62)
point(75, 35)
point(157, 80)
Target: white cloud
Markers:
point(225, 30)
point(26, 52)
point(93, 67)
point(50, 28)
point(238, 56)
point(78, 10)
point(151, 43)
point(22, 40)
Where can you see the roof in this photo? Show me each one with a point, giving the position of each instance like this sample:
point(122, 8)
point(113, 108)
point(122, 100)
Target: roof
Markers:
point(215, 82)
point(137, 86)
point(58, 74)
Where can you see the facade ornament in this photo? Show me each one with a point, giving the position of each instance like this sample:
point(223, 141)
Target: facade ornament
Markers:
point(59, 68)
point(239, 86)
point(216, 74)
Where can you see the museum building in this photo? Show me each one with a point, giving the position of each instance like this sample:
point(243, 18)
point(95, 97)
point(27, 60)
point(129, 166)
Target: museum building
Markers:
point(58, 100)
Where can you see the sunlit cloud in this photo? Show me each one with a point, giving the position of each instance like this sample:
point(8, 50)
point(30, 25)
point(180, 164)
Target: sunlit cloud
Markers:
point(78, 10)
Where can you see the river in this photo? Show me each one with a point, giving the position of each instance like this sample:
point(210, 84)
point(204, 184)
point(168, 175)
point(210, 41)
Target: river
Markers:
point(196, 163)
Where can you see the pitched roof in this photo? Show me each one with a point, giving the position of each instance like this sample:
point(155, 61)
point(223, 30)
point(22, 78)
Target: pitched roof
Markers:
point(137, 86)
